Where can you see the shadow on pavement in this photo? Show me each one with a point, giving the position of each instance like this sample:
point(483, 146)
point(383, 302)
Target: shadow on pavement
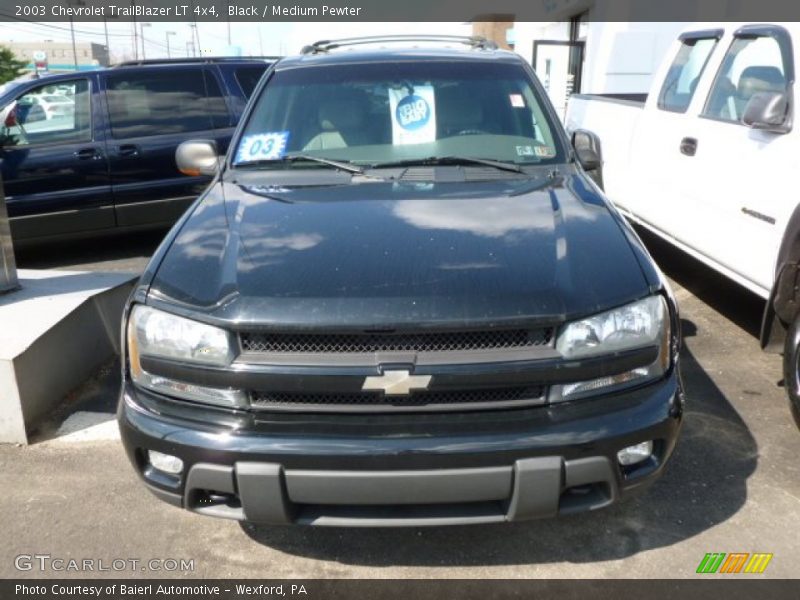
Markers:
point(704, 485)
point(725, 296)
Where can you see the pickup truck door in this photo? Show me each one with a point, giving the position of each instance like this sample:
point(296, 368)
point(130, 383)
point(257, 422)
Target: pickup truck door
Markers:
point(151, 111)
point(658, 174)
point(53, 161)
point(735, 199)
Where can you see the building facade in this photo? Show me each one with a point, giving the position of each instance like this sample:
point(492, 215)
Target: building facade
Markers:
point(579, 52)
point(60, 56)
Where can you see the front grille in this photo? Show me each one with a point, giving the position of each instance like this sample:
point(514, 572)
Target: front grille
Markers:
point(365, 343)
point(474, 399)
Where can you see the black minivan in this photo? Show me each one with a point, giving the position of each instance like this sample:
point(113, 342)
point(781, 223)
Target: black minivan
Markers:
point(401, 301)
point(95, 150)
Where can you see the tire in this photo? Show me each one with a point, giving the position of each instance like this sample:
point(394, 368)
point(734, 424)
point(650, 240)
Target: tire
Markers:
point(791, 368)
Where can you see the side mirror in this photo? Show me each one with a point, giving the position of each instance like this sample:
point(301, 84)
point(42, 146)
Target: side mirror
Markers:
point(768, 111)
point(197, 157)
point(9, 115)
point(587, 149)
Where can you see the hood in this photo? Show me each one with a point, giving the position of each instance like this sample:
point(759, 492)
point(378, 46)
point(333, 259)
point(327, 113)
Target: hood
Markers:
point(386, 254)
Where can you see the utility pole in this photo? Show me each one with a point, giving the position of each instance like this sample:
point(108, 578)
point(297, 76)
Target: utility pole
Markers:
point(166, 35)
point(141, 34)
point(108, 48)
point(74, 49)
point(228, 18)
point(135, 41)
point(72, 30)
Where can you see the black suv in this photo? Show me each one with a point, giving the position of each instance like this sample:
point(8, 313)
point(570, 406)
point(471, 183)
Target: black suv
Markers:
point(95, 150)
point(401, 302)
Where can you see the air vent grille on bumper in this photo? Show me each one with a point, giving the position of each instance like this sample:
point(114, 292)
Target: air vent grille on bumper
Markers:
point(364, 343)
point(439, 400)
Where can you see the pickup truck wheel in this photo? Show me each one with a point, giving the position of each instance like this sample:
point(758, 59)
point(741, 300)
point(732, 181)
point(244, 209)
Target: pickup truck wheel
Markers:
point(791, 368)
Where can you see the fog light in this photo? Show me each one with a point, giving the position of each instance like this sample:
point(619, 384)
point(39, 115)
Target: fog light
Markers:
point(165, 462)
point(635, 454)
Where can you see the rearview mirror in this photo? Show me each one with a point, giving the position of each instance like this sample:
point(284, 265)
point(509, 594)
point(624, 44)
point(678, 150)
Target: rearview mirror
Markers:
point(588, 153)
point(197, 157)
point(768, 111)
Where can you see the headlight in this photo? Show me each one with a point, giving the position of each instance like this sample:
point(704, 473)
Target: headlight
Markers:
point(159, 334)
point(636, 325)
point(165, 335)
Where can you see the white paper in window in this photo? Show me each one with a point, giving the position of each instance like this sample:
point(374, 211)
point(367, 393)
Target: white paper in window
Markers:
point(413, 115)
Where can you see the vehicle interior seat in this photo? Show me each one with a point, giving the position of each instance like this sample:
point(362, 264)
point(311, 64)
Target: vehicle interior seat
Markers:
point(458, 112)
point(341, 122)
point(758, 79)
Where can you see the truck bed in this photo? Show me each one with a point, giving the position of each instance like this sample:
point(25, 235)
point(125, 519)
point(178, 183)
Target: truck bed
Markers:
point(613, 118)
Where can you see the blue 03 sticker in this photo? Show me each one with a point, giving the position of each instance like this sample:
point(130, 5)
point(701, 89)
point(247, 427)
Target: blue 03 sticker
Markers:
point(412, 112)
point(262, 146)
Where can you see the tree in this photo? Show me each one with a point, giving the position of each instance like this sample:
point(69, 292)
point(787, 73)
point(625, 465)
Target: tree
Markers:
point(10, 66)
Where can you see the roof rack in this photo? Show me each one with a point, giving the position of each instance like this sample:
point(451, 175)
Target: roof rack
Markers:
point(476, 42)
point(194, 60)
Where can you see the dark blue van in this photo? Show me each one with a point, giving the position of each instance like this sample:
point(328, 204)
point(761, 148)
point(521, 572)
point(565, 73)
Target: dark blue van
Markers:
point(90, 151)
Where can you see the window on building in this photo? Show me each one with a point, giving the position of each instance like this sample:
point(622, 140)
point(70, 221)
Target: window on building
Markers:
point(684, 73)
point(751, 65)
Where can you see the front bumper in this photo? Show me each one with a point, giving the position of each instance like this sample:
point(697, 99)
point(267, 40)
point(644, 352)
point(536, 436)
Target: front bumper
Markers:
point(491, 467)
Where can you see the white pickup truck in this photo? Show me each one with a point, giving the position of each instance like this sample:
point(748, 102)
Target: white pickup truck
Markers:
point(707, 161)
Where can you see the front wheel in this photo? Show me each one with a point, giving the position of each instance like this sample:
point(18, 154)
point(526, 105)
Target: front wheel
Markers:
point(791, 368)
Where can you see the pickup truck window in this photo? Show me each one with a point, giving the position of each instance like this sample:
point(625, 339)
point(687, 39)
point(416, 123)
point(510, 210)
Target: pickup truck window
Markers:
point(42, 116)
point(682, 77)
point(751, 65)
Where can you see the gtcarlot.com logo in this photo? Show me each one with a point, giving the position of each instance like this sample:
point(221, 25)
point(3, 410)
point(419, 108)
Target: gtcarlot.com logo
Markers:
point(734, 562)
point(46, 562)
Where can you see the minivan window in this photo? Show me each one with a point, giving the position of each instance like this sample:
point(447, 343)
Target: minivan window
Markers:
point(217, 108)
point(158, 102)
point(403, 110)
point(752, 65)
point(248, 78)
point(684, 73)
point(41, 118)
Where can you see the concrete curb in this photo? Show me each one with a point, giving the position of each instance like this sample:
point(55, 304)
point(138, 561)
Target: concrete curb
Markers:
point(54, 332)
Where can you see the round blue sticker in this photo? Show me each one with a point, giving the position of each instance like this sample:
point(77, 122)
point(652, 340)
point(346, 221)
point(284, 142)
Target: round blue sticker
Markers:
point(412, 112)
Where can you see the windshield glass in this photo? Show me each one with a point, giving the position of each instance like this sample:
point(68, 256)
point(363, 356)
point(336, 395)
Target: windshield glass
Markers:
point(400, 111)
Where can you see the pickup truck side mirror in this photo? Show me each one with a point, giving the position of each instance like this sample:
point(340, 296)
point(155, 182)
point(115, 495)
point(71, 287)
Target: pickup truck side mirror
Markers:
point(197, 157)
point(587, 150)
point(768, 111)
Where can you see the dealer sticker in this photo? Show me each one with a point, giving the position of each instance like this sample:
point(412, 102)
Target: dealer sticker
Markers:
point(517, 101)
point(262, 146)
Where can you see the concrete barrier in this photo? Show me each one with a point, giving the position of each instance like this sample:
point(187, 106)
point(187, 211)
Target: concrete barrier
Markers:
point(54, 332)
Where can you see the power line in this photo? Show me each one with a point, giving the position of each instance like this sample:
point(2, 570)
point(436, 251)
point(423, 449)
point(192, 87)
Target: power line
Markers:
point(57, 27)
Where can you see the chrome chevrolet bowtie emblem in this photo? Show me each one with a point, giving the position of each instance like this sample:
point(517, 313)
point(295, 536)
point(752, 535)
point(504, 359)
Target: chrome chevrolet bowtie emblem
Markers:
point(397, 383)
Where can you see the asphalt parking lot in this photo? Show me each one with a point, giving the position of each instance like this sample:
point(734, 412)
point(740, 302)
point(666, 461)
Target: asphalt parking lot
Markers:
point(733, 484)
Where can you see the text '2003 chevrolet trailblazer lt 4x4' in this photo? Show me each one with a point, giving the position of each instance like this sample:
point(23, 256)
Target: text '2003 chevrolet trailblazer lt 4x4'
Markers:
point(400, 302)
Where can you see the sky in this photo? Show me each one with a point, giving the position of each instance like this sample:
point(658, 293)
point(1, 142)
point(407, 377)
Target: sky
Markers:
point(254, 38)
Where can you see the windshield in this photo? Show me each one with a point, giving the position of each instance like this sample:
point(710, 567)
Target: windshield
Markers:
point(399, 111)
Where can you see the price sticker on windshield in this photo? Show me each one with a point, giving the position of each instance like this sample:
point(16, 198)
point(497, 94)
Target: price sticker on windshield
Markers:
point(262, 146)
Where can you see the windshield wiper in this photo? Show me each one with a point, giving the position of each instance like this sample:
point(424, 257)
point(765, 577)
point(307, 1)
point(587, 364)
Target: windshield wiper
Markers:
point(344, 166)
point(451, 160)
